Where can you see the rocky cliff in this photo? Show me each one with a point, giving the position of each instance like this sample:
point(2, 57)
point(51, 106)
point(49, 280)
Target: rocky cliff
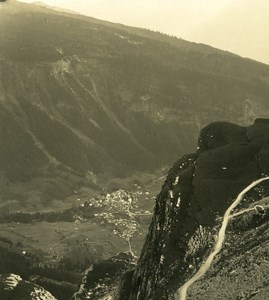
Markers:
point(76, 95)
point(188, 212)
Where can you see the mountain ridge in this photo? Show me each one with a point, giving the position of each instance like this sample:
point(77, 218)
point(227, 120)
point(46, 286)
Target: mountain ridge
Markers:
point(77, 95)
point(174, 40)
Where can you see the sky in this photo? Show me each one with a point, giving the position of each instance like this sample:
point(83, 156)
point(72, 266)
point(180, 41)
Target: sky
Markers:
point(239, 26)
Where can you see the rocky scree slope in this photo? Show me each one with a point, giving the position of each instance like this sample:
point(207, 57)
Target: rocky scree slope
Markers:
point(198, 190)
point(76, 95)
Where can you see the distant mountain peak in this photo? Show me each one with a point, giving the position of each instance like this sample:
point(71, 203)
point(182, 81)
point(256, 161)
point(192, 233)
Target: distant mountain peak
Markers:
point(55, 8)
point(39, 3)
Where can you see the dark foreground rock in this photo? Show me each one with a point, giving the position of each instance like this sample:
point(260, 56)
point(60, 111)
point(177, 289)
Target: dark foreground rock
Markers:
point(12, 287)
point(100, 280)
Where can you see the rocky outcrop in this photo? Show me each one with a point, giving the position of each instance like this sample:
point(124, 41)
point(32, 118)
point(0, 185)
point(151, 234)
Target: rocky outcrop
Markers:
point(12, 287)
point(99, 281)
point(198, 190)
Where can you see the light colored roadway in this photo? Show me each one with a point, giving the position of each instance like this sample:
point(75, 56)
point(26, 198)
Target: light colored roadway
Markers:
point(181, 293)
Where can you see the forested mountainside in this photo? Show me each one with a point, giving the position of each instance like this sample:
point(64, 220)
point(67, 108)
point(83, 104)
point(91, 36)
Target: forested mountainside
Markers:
point(188, 215)
point(80, 97)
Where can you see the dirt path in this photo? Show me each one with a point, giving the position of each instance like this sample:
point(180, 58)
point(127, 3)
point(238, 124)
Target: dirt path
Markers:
point(181, 293)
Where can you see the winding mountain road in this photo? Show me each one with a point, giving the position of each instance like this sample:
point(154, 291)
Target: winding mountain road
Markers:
point(181, 293)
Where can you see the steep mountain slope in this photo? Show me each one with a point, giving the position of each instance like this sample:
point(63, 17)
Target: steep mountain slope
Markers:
point(241, 269)
point(81, 97)
point(189, 211)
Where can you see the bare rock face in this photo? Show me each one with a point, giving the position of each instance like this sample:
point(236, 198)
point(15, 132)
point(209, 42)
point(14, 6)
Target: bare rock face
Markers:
point(188, 211)
point(12, 287)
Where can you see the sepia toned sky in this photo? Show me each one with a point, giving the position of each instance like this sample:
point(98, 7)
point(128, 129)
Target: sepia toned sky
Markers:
point(239, 26)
